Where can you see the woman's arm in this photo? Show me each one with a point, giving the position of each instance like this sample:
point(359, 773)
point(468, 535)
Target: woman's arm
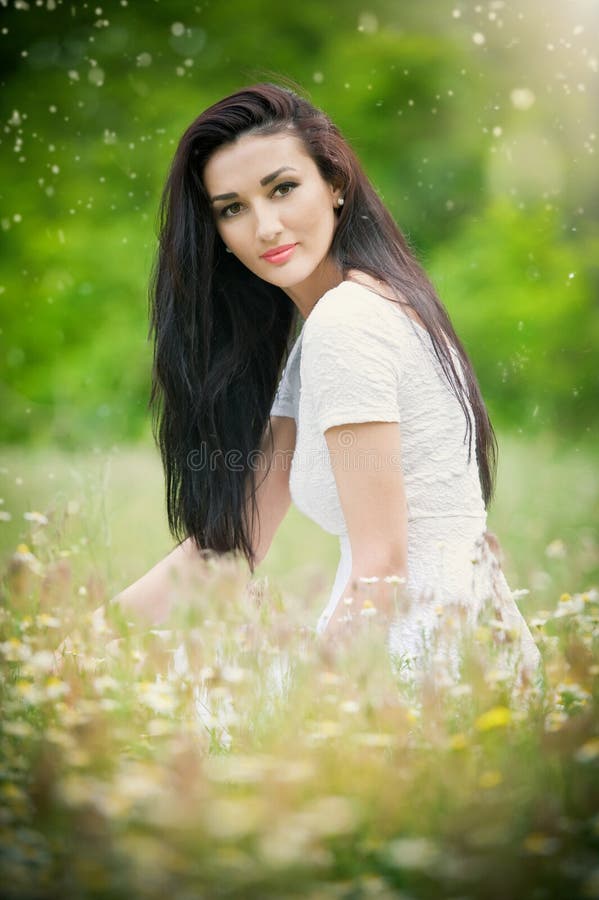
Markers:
point(151, 596)
point(365, 459)
point(272, 479)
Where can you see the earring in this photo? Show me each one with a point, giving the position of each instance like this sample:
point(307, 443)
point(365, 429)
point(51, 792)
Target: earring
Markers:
point(340, 201)
point(228, 251)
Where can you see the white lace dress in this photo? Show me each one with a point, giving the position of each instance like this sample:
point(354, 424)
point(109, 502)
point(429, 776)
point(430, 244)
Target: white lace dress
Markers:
point(359, 358)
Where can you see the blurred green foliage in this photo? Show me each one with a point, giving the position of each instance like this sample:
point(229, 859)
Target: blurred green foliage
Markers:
point(476, 123)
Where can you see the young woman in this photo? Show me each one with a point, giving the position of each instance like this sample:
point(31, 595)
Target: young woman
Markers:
point(301, 353)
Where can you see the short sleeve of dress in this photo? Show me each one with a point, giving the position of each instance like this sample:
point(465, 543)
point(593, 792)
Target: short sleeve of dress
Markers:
point(350, 364)
point(287, 396)
point(283, 404)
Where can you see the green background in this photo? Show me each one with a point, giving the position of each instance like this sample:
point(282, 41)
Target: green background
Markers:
point(480, 138)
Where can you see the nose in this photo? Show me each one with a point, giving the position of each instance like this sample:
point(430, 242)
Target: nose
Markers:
point(268, 225)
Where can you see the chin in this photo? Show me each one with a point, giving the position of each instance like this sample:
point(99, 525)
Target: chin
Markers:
point(288, 276)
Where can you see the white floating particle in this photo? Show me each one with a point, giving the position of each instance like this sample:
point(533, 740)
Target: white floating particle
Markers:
point(318, 77)
point(578, 29)
point(456, 13)
point(17, 217)
point(15, 119)
point(96, 76)
point(572, 275)
point(55, 169)
point(479, 38)
point(144, 59)
point(177, 28)
point(497, 131)
point(73, 75)
point(368, 23)
point(522, 98)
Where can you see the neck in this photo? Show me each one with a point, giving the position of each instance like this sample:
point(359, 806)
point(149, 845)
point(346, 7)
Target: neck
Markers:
point(307, 293)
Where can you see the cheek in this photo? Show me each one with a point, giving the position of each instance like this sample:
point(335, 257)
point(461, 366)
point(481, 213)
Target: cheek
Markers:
point(234, 237)
point(314, 214)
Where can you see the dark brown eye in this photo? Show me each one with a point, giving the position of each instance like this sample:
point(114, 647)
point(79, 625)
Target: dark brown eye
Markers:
point(225, 210)
point(286, 184)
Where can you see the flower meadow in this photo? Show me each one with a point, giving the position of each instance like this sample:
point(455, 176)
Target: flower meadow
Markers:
point(230, 753)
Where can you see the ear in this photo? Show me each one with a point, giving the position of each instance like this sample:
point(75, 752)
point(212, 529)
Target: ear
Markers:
point(336, 192)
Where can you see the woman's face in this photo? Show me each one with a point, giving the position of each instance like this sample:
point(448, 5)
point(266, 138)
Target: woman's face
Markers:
point(275, 197)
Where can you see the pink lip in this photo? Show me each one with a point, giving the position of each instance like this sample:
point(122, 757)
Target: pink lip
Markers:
point(279, 254)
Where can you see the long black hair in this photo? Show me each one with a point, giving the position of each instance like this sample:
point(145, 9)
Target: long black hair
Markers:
point(222, 335)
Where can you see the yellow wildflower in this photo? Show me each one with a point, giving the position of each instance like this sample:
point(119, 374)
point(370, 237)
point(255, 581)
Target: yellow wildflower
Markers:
point(11, 792)
point(540, 844)
point(55, 688)
point(490, 779)
point(588, 751)
point(27, 691)
point(43, 620)
point(458, 741)
point(368, 609)
point(323, 729)
point(497, 717)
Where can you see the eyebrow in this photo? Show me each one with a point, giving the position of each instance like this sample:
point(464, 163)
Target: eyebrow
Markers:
point(263, 181)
